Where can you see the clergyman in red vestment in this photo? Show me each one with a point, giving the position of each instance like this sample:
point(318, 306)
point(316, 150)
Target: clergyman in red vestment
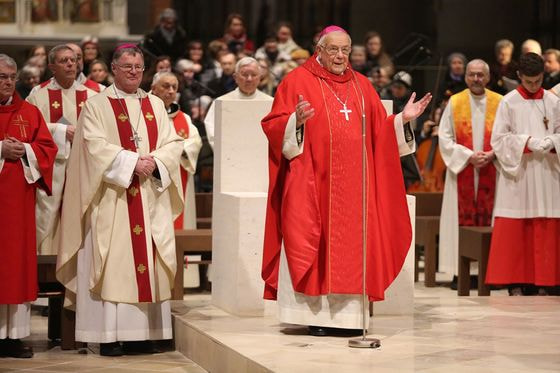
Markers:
point(312, 261)
point(27, 153)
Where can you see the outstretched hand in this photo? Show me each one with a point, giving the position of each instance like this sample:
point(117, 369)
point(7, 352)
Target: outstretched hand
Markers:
point(413, 110)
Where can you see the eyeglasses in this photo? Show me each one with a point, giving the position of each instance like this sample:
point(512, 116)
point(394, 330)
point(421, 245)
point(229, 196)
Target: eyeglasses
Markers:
point(333, 51)
point(247, 76)
point(129, 67)
point(4, 77)
point(65, 60)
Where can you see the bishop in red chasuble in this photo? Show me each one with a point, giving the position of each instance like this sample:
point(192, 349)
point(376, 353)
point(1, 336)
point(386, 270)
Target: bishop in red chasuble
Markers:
point(312, 260)
point(27, 153)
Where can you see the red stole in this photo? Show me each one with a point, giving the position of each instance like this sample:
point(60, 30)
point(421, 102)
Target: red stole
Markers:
point(55, 103)
point(94, 86)
point(182, 128)
point(134, 196)
point(474, 212)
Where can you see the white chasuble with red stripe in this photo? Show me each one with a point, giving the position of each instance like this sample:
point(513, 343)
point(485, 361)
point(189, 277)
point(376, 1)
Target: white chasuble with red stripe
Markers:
point(60, 107)
point(131, 221)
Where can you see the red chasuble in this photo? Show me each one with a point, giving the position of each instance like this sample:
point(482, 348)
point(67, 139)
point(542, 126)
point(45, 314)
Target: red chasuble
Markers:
point(314, 202)
point(18, 258)
point(182, 128)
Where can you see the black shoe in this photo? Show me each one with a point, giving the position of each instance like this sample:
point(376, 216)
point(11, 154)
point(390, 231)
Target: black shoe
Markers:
point(15, 348)
point(111, 349)
point(317, 331)
point(341, 332)
point(140, 348)
point(453, 285)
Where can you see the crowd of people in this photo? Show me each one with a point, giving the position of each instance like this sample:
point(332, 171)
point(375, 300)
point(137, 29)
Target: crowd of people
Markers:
point(76, 126)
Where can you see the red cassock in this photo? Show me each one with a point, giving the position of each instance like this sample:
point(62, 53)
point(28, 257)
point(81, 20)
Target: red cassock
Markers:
point(18, 255)
point(315, 200)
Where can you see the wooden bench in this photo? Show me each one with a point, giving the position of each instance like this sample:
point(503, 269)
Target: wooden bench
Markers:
point(474, 244)
point(428, 210)
point(189, 241)
point(61, 322)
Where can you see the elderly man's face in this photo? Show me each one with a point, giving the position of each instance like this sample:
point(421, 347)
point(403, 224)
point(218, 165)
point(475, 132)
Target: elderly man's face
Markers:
point(65, 66)
point(503, 56)
point(335, 52)
point(227, 63)
point(166, 89)
point(248, 78)
point(79, 56)
point(128, 71)
point(8, 76)
point(551, 63)
point(168, 23)
point(477, 78)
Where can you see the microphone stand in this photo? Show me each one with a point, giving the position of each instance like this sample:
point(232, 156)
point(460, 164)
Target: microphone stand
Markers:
point(364, 342)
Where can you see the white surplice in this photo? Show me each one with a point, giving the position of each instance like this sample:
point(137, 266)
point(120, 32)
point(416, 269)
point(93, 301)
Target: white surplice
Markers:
point(456, 158)
point(331, 310)
point(527, 185)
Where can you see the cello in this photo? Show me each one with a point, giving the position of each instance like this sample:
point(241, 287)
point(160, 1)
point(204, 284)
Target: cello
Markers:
point(428, 158)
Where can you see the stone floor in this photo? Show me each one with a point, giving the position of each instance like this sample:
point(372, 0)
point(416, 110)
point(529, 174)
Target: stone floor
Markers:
point(447, 333)
point(50, 358)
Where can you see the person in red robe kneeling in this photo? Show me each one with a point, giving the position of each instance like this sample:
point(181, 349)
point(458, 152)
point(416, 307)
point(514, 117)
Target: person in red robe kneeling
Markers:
point(27, 153)
point(312, 261)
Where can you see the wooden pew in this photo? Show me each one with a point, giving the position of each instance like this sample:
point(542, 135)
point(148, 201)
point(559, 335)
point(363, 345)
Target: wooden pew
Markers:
point(428, 211)
point(189, 241)
point(474, 244)
point(61, 322)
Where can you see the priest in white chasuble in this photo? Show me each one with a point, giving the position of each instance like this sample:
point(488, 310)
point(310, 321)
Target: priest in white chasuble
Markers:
point(27, 153)
point(464, 142)
point(312, 260)
point(116, 239)
point(247, 78)
point(525, 248)
point(60, 101)
point(164, 86)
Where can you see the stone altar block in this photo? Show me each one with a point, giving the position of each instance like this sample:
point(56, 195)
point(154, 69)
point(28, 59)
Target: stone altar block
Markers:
point(239, 205)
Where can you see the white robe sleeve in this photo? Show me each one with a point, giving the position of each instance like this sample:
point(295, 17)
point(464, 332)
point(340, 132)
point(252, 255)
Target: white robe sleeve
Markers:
point(58, 132)
point(30, 165)
point(209, 124)
point(191, 148)
point(122, 168)
point(455, 156)
point(555, 137)
point(290, 147)
point(405, 148)
point(164, 179)
point(508, 146)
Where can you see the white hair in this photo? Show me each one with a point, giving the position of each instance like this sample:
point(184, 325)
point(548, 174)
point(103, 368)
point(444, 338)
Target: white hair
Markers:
point(478, 61)
point(184, 64)
point(8, 61)
point(246, 61)
point(323, 39)
point(161, 75)
point(28, 71)
point(168, 13)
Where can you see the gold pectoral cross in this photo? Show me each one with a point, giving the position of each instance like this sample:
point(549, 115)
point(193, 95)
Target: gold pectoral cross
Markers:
point(21, 123)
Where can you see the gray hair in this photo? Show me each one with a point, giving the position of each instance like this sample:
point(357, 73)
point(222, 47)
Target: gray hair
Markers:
point(478, 61)
point(184, 64)
point(246, 61)
point(503, 43)
point(323, 39)
point(133, 50)
point(59, 48)
point(168, 13)
point(454, 55)
point(161, 75)
point(29, 71)
point(8, 61)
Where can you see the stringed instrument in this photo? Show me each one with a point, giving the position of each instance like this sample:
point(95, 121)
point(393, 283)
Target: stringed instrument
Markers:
point(428, 158)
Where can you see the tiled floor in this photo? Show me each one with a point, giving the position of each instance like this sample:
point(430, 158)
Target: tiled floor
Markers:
point(53, 359)
point(447, 334)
